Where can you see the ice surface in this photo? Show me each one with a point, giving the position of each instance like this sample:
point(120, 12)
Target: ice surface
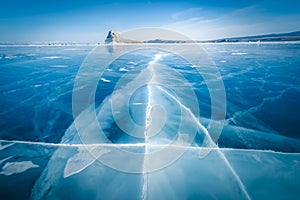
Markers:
point(5, 146)
point(215, 171)
point(189, 177)
point(257, 155)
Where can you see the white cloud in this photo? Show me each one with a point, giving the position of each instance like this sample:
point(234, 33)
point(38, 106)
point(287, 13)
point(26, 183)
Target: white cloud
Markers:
point(251, 20)
point(186, 13)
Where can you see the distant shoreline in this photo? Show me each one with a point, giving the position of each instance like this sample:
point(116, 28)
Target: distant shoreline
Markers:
point(189, 43)
point(269, 38)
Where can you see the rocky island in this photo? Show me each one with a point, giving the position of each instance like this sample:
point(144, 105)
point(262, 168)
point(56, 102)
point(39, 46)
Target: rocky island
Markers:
point(114, 36)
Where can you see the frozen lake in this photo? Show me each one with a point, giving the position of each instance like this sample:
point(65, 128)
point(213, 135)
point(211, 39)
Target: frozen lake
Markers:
point(257, 153)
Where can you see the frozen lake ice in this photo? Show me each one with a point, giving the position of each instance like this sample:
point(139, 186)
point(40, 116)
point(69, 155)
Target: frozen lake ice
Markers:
point(256, 155)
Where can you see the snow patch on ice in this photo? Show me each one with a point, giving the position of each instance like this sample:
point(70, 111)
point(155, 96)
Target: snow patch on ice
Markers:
point(52, 57)
point(123, 69)
point(105, 80)
point(239, 53)
point(55, 57)
point(10, 56)
point(11, 168)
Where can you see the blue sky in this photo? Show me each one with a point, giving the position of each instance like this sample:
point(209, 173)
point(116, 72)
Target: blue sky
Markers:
point(89, 21)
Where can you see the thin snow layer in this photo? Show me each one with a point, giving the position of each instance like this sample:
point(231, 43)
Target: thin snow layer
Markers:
point(82, 159)
point(11, 168)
